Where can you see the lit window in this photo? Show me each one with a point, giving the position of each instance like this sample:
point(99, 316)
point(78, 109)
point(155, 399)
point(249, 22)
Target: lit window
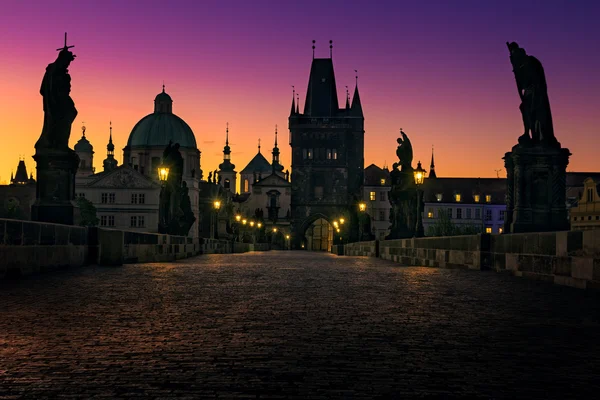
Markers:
point(246, 188)
point(329, 154)
point(438, 197)
point(382, 181)
point(334, 154)
point(310, 154)
point(488, 230)
point(488, 198)
point(457, 197)
point(430, 213)
point(372, 196)
point(500, 230)
point(476, 198)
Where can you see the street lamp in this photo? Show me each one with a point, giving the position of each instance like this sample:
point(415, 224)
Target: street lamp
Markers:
point(217, 207)
point(342, 221)
point(238, 218)
point(259, 225)
point(419, 179)
point(362, 207)
point(163, 173)
point(288, 244)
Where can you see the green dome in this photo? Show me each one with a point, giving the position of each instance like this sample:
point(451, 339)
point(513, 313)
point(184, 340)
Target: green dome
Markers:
point(158, 128)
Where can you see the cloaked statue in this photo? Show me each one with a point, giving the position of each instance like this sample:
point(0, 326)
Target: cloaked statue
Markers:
point(533, 92)
point(59, 108)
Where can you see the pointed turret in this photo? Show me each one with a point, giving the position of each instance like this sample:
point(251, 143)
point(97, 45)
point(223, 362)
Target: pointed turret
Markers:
point(293, 111)
point(277, 168)
point(347, 99)
point(321, 95)
point(297, 104)
point(20, 177)
point(357, 110)
point(432, 166)
point(110, 163)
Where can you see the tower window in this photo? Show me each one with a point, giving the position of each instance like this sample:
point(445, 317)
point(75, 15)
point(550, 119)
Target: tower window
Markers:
point(334, 153)
point(382, 181)
point(476, 198)
point(438, 197)
point(227, 184)
point(246, 186)
point(488, 198)
point(457, 197)
point(590, 195)
point(329, 154)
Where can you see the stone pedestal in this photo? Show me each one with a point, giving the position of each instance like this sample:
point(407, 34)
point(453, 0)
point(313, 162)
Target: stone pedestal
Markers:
point(55, 188)
point(536, 189)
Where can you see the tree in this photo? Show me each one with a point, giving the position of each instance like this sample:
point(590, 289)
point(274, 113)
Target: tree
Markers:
point(87, 212)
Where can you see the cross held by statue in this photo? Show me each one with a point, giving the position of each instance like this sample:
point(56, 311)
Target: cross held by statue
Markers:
point(65, 46)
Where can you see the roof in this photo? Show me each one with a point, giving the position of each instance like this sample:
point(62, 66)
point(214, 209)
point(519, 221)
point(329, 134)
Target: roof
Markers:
point(577, 178)
point(157, 129)
point(374, 175)
point(321, 95)
point(21, 175)
point(466, 188)
point(273, 180)
point(122, 177)
point(84, 145)
point(258, 164)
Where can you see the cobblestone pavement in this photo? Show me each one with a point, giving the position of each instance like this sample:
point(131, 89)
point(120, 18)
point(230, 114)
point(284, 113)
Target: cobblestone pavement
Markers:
point(294, 325)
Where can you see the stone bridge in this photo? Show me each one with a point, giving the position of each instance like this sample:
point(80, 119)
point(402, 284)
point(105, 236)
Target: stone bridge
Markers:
point(294, 325)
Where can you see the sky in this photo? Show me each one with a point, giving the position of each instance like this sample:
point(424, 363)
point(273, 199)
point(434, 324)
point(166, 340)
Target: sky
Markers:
point(438, 69)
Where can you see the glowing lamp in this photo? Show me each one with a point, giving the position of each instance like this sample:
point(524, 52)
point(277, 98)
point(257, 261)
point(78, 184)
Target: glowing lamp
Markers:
point(342, 221)
point(362, 206)
point(163, 173)
point(259, 225)
point(419, 174)
point(238, 218)
point(217, 205)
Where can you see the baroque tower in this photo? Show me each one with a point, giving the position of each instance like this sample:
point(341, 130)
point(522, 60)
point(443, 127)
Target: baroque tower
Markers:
point(327, 156)
point(226, 168)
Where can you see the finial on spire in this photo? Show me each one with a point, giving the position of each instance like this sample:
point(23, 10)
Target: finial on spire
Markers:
point(83, 128)
point(110, 125)
point(313, 47)
point(259, 145)
point(331, 49)
point(297, 103)
point(227, 134)
point(275, 135)
point(163, 86)
point(356, 76)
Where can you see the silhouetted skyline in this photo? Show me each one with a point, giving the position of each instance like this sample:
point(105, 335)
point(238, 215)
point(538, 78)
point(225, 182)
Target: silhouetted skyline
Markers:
point(439, 71)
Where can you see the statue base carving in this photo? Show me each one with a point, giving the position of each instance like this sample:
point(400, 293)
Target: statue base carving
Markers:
point(403, 200)
point(536, 189)
point(55, 189)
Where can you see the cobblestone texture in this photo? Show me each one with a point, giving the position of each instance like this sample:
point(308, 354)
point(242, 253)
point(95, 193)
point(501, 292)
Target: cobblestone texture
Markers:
point(294, 325)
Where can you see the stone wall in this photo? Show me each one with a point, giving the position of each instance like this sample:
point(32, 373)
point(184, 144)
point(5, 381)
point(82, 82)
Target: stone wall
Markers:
point(29, 247)
point(368, 248)
point(470, 251)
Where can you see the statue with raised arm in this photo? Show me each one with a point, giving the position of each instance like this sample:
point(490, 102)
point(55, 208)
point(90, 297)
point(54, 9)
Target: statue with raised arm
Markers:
point(404, 152)
point(533, 92)
point(59, 108)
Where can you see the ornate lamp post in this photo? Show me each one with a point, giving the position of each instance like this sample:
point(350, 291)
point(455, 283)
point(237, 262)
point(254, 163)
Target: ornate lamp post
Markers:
point(163, 174)
point(419, 179)
point(217, 207)
point(362, 207)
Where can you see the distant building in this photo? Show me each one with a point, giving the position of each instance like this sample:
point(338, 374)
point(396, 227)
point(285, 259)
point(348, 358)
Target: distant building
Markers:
point(256, 169)
point(586, 214)
point(327, 144)
point(376, 192)
point(474, 202)
point(17, 198)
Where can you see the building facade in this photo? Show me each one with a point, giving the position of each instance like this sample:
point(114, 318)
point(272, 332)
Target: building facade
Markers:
point(376, 198)
point(327, 144)
point(586, 214)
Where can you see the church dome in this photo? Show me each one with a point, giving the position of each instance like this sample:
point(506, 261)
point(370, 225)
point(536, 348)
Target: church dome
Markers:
point(84, 146)
point(158, 129)
point(161, 127)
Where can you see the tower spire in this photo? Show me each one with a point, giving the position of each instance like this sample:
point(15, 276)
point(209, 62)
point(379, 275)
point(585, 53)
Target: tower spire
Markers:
point(275, 135)
point(356, 105)
point(432, 166)
point(297, 103)
point(313, 48)
point(293, 100)
point(347, 99)
point(227, 134)
point(275, 164)
point(331, 49)
point(258, 145)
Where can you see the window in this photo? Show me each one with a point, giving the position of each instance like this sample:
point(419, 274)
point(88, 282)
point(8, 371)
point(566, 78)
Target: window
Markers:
point(304, 155)
point(488, 215)
point(382, 215)
point(246, 185)
point(329, 154)
point(111, 198)
point(103, 220)
point(382, 181)
point(104, 198)
point(477, 213)
point(488, 230)
point(457, 197)
point(449, 213)
point(430, 213)
point(488, 198)
point(438, 197)
point(133, 223)
point(459, 213)
point(468, 213)
point(81, 195)
point(310, 154)
point(382, 198)
point(107, 220)
point(372, 196)
point(590, 195)
point(318, 192)
point(142, 198)
point(500, 230)
point(111, 220)
point(141, 221)
point(334, 151)
point(476, 198)
point(227, 184)
point(134, 198)
point(502, 215)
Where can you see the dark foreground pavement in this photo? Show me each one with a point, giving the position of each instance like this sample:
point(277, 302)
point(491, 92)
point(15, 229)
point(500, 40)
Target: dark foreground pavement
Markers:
point(294, 325)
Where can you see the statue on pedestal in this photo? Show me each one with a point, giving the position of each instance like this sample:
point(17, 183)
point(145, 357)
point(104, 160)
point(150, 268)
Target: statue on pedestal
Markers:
point(536, 166)
point(56, 163)
point(175, 211)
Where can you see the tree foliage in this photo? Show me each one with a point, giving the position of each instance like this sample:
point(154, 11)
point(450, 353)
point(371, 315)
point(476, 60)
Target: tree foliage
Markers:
point(444, 226)
point(87, 212)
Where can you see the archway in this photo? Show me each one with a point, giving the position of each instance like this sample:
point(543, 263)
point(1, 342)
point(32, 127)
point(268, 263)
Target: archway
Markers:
point(319, 235)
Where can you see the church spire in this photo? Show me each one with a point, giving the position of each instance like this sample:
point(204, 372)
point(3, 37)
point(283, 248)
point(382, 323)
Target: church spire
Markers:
point(432, 166)
point(293, 111)
point(356, 105)
point(275, 164)
point(258, 145)
point(110, 163)
point(347, 99)
point(226, 166)
point(297, 103)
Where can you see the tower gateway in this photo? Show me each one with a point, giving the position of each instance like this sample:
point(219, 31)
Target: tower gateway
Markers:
point(327, 162)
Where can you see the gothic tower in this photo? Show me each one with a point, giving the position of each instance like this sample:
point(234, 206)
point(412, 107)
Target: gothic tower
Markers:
point(110, 163)
point(327, 156)
point(227, 172)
